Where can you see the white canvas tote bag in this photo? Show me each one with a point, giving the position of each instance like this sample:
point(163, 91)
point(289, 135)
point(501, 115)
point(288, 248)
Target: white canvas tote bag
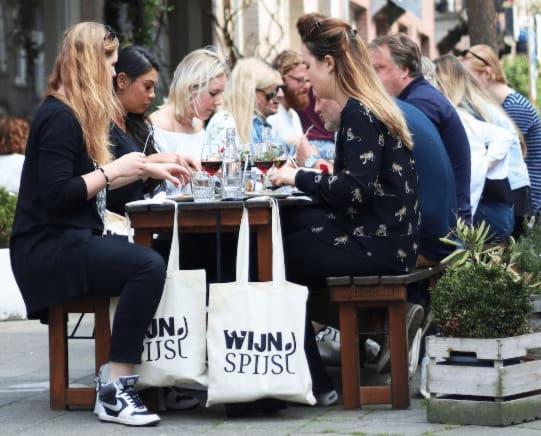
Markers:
point(174, 347)
point(255, 336)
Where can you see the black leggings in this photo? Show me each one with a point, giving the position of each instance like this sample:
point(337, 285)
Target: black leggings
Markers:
point(137, 275)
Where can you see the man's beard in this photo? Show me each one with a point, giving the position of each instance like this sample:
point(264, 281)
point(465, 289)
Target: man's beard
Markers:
point(297, 102)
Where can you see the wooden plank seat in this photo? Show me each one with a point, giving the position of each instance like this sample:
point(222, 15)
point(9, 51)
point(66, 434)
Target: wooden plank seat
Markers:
point(388, 292)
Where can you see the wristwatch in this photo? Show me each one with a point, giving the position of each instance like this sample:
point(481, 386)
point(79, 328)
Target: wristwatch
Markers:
point(311, 161)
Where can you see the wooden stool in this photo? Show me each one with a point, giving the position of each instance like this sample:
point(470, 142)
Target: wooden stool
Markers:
point(62, 395)
point(389, 292)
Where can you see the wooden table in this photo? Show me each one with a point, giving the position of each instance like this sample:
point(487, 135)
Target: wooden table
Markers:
point(213, 217)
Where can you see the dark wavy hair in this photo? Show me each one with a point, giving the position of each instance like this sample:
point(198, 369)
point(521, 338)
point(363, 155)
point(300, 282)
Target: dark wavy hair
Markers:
point(134, 61)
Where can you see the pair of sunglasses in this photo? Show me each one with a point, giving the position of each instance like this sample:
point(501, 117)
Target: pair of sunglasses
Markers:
point(110, 34)
point(463, 54)
point(271, 95)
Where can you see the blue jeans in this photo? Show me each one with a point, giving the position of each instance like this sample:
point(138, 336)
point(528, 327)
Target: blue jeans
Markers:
point(499, 216)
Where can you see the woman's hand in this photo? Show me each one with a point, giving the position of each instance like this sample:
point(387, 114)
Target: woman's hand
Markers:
point(129, 165)
point(169, 157)
point(176, 174)
point(305, 150)
point(284, 176)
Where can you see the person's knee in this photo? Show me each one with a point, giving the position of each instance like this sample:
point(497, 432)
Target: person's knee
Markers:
point(153, 266)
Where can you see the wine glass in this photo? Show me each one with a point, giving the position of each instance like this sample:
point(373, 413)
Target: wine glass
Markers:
point(263, 159)
point(211, 158)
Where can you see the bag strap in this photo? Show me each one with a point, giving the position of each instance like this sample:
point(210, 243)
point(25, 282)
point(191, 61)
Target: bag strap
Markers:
point(278, 259)
point(173, 264)
point(243, 249)
point(243, 246)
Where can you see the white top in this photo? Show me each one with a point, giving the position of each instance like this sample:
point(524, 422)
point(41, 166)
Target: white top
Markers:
point(11, 167)
point(518, 172)
point(287, 124)
point(186, 144)
point(489, 148)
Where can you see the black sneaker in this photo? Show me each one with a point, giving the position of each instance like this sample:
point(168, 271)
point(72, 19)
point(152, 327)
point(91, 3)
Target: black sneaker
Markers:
point(119, 402)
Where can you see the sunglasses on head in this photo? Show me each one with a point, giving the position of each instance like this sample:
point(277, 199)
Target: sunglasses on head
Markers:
point(110, 34)
point(272, 95)
point(463, 54)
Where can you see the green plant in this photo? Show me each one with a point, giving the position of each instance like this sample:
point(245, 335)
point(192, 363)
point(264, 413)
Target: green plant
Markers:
point(7, 212)
point(481, 295)
point(516, 71)
point(529, 263)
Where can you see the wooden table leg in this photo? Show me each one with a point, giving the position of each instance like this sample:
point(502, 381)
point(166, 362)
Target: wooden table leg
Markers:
point(58, 358)
point(143, 237)
point(264, 252)
point(399, 355)
point(349, 355)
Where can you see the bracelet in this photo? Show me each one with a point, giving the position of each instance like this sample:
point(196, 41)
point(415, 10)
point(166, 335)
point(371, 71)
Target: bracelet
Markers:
point(107, 181)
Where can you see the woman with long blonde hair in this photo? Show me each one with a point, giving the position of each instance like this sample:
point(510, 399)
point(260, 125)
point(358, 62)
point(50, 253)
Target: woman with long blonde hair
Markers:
point(484, 64)
point(488, 125)
point(57, 251)
point(367, 219)
point(249, 98)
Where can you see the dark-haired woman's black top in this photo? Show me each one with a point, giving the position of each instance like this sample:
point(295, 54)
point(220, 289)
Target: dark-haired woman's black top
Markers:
point(121, 144)
point(54, 219)
point(370, 205)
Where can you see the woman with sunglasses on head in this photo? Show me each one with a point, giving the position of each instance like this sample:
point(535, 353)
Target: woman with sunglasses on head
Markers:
point(194, 94)
point(250, 97)
point(485, 65)
point(366, 222)
point(58, 252)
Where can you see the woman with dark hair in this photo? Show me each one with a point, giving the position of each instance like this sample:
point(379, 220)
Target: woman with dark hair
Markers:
point(134, 84)
point(367, 219)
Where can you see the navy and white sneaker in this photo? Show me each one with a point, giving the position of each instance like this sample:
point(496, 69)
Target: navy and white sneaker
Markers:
point(119, 402)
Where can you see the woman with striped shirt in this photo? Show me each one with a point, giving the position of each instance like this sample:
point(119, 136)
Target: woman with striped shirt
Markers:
point(484, 63)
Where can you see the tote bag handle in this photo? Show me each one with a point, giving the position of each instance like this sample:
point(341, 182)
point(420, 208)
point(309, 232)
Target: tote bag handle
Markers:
point(243, 247)
point(173, 264)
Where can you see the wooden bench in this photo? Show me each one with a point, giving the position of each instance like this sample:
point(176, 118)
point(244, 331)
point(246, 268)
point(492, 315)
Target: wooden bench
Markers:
point(62, 396)
point(388, 292)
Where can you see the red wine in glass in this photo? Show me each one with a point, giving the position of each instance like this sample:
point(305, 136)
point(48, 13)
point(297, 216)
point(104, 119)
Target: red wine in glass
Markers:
point(279, 162)
point(211, 166)
point(263, 165)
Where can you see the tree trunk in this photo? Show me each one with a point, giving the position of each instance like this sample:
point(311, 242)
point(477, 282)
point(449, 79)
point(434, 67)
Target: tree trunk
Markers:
point(482, 22)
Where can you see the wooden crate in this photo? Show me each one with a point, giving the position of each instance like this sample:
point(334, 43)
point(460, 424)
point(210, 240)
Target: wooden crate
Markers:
point(508, 391)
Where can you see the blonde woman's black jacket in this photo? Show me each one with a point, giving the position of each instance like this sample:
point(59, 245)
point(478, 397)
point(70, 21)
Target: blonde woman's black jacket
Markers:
point(53, 219)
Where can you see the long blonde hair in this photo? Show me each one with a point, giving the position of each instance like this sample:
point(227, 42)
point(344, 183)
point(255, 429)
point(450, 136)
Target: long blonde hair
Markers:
point(491, 62)
point(354, 72)
point(464, 90)
point(248, 75)
point(80, 68)
point(191, 79)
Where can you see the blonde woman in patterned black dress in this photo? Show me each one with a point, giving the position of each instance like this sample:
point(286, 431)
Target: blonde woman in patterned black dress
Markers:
point(367, 217)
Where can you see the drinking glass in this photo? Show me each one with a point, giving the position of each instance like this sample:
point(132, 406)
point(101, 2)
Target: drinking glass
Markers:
point(202, 187)
point(211, 158)
point(264, 159)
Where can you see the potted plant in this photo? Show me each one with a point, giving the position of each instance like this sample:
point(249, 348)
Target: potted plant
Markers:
point(11, 303)
point(480, 370)
point(529, 264)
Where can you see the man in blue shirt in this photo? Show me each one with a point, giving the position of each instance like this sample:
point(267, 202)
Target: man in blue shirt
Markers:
point(397, 60)
point(436, 187)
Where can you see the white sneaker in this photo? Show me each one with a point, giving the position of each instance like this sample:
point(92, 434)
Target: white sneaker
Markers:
point(328, 344)
point(119, 402)
point(327, 398)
